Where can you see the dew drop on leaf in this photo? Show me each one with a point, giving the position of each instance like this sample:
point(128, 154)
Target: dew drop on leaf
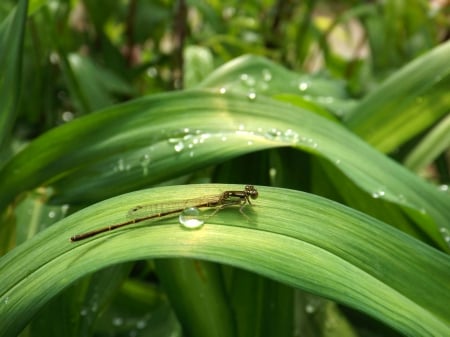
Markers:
point(191, 218)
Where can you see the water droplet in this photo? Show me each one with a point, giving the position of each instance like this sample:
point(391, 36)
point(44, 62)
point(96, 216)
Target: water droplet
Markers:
point(141, 324)
point(120, 165)
point(64, 209)
point(310, 309)
point(267, 75)
point(326, 99)
point(273, 134)
point(251, 95)
point(94, 307)
point(145, 161)
point(309, 142)
point(152, 72)
point(179, 146)
point(117, 321)
point(247, 80)
point(228, 12)
point(272, 173)
point(67, 116)
point(54, 58)
point(443, 188)
point(290, 136)
point(51, 214)
point(445, 234)
point(223, 90)
point(244, 77)
point(191, 218)
point(303, 86)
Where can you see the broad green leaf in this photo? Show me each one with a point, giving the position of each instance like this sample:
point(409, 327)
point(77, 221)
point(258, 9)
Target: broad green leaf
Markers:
point(255, 75)
point(406, 103)
point(11, 41)
point(160, 137)
point(296, 238)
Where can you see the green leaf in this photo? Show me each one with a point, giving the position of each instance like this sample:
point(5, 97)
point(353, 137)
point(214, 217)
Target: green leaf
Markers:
point(11, 43)
point(97, 84)
point(161, 137)
point(256, 75)
point(406, 103)
point(296, 238)
point(430, 147)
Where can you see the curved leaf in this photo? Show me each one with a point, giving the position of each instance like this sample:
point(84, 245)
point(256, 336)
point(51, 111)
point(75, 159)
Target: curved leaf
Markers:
point(299, 239)
point(406, 103)
point(141, 143)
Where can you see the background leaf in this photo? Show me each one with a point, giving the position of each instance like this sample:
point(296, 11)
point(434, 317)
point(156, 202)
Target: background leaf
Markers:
point(11, 40)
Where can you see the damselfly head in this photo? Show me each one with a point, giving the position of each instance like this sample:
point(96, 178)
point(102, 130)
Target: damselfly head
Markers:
point(251, 191)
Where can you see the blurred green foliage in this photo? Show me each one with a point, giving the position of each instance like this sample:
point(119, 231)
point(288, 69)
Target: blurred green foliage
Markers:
point(99, 97)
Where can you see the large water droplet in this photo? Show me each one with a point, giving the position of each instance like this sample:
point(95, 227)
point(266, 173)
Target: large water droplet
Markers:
point(191, 218)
